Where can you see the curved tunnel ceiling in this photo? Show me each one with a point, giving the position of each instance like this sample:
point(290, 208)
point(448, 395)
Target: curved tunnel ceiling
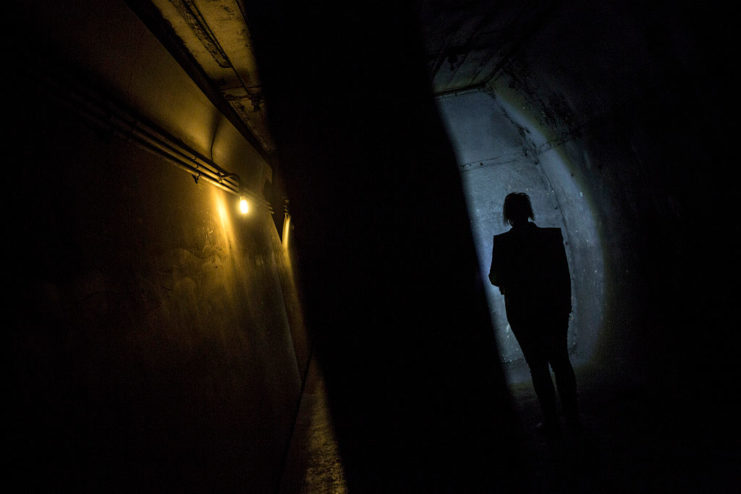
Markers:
point(468, 43)
point(212, 40)
point(569, 63)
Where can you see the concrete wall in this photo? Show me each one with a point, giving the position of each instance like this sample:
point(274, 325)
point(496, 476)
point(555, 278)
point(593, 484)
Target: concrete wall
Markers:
point(157, 335)
point(634, 98)
point(496, 148)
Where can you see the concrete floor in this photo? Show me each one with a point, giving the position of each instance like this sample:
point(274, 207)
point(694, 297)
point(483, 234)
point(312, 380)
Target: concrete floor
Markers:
point(313, 463)
point(625, 447)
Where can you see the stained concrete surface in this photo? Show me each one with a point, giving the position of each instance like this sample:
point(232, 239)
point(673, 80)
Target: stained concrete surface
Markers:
point(625, 446)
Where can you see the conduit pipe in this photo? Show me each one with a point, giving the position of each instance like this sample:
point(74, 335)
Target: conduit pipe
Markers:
point(123, 122)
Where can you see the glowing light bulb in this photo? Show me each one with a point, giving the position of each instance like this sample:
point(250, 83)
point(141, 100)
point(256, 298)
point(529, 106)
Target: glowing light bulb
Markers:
point(244, 206)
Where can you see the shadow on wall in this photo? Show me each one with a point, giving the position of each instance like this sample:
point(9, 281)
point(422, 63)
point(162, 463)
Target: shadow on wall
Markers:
point(498, 151)
point(394, 295)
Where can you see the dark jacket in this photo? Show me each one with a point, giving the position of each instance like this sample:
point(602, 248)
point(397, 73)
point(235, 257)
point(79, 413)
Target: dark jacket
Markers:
point(530, 268)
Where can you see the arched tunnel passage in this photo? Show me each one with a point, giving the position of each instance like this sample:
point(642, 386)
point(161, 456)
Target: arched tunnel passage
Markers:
point(499, 150)
point(132, 371)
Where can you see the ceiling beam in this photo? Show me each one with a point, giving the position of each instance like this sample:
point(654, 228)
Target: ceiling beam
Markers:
point(151, 17)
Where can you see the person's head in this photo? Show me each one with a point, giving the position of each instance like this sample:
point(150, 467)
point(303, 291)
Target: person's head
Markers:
point(517, 208)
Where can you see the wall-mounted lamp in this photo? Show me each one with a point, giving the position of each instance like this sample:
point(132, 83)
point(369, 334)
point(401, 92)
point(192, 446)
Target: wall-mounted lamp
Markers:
point(244, 206)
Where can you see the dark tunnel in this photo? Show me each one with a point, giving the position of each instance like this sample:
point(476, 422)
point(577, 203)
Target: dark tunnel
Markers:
point(339, 333)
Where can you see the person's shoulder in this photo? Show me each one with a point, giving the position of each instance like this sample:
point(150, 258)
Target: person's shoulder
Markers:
point(551, 231)
point(503, 236)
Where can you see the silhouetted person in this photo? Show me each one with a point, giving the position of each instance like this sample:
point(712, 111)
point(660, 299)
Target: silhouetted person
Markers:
point(530, 268)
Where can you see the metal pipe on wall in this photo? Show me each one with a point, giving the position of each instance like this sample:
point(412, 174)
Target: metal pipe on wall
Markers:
point(105, 112)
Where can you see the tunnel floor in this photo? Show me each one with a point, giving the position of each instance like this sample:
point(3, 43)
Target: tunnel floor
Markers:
point(625, 445)
point(313, 463)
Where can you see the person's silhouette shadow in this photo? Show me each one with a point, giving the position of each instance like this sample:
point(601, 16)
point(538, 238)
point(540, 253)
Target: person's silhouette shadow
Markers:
point(530, 268)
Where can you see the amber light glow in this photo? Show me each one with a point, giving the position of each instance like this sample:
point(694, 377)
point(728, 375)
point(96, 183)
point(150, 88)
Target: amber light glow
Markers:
point(244, 206)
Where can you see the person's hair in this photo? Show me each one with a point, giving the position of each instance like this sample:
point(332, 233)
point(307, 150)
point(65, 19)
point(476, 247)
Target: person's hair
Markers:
point(517, 208)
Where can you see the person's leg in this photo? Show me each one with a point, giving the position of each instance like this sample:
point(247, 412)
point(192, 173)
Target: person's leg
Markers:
point(565, 377)
point(545, 391)
point(526, 332)
point(541, 377)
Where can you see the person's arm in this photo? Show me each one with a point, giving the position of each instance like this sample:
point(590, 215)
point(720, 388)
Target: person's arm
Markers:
point(495, 272)
point(564, 278)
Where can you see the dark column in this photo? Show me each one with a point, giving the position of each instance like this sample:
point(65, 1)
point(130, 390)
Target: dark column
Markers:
point(394, 295)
